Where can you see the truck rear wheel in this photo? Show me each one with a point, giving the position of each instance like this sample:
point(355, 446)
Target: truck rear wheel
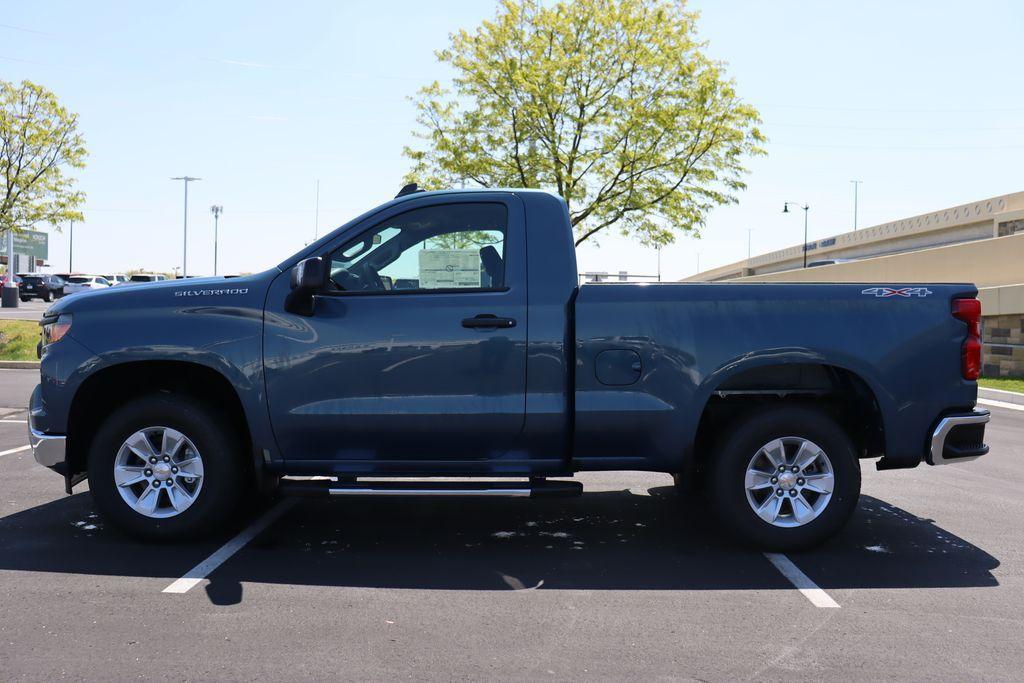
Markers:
point(786, 477)
point(165, 466)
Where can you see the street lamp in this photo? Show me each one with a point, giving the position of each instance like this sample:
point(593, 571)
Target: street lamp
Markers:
point(805, 207)
point(216, 210)
point(184, 249)
point(856, 184)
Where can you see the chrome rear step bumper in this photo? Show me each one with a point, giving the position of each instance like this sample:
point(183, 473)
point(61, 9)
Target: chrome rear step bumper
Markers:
point(945, 450)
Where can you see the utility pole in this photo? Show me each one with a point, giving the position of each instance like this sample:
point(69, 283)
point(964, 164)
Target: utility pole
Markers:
point(184, 248)
point(856, 183)
point(216, 210)
point(658, 249)
point(316, 213)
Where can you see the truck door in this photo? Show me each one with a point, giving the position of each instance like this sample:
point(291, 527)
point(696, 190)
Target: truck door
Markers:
point(414, 358)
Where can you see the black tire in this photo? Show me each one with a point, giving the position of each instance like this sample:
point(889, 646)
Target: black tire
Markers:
point(25, 299)
point(48, 297)
point(225, 477)
point(747, 434)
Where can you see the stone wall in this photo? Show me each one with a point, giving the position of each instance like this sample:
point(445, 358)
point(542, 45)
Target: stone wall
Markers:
point(1002, 352)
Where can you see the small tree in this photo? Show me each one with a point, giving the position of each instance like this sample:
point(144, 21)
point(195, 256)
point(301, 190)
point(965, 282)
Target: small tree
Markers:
point(38, 138)
point(610, 103)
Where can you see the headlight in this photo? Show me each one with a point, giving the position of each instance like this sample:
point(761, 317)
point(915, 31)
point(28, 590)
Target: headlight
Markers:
point(54, 331)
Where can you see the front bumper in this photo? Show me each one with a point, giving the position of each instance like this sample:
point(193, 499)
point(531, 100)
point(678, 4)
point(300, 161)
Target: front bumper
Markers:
point(48, 449)
point(958, 438)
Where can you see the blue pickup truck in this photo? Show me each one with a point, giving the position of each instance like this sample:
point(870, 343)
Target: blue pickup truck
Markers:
point(440, 344)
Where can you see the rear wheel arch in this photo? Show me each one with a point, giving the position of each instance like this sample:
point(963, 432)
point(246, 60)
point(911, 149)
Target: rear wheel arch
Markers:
point(846, 396)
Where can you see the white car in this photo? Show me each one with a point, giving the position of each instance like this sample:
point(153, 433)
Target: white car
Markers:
point(85, 283)
point(139, 278)
point(115, 280)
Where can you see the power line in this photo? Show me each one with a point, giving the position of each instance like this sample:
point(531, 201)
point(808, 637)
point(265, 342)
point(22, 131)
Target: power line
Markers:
point(893, 109)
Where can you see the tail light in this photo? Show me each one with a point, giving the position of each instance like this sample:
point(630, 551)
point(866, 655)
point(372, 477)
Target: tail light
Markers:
point(969, 310)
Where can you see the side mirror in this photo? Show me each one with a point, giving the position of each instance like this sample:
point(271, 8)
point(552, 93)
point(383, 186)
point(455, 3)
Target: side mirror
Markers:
point(308, 277)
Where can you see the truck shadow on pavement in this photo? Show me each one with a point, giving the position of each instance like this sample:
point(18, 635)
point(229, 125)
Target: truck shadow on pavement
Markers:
point(603, 540)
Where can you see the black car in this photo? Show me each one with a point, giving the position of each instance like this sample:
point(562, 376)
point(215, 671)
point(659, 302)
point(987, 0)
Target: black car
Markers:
point(46, 287)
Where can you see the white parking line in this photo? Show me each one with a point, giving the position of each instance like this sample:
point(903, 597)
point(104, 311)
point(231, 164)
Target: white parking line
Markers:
point(1000, 404)
point(803, 583)
point(15, 422)
point(19, 449)
point(199, 572)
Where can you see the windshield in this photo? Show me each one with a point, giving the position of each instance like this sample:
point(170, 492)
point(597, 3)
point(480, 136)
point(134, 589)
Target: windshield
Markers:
point(79, 280)
point(141, 278)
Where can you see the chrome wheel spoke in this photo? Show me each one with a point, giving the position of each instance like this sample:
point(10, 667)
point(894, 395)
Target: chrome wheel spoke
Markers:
point(171, 442)
point(180, 498)
point(757, 480)
point(193, 467)
point(805, 455)
point(819, 483)
point(146, 503)
point(769, 508)
point(775, 452)
point(140, 445)
point(128, 476)
point(802, 511)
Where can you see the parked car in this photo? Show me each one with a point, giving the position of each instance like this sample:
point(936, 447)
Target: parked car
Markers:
point(494, 364)
point(3, 280)
point(41, 285)
point(115, 280)
point(139, 278)
point(85, 283)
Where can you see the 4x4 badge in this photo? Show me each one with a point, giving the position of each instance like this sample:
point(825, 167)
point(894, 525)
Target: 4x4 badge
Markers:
point(882, 292)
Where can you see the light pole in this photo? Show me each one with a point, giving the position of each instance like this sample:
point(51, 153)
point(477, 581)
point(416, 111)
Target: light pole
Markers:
point(856, 183)
point(71, 248)
point(184, 248)
point(749, 233)
point(805, 207)
point(216, 210)
point(316, 213)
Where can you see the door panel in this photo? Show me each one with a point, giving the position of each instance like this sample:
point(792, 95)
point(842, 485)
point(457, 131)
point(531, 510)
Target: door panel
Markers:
point(397, 375)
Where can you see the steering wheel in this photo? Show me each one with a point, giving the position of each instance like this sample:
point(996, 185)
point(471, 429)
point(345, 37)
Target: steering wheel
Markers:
point(346, 281)
point(373, 281)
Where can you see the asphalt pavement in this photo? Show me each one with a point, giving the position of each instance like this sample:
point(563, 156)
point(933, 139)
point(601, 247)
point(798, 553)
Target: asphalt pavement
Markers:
point(26, 310)
point(627, 581)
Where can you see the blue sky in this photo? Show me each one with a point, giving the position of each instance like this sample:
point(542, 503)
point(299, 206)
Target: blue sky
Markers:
point(923, 101)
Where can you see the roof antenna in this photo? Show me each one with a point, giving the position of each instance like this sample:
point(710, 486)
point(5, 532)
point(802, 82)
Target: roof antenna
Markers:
point(411, 188)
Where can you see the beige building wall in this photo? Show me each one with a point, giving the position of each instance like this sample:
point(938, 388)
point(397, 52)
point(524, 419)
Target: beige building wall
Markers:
point(990, 264)
point(985, 263)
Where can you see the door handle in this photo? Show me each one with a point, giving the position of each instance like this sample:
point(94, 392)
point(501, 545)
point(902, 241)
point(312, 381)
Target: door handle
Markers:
point(485, 320)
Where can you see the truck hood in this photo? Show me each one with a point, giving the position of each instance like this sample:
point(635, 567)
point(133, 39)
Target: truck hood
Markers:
point(167, 293)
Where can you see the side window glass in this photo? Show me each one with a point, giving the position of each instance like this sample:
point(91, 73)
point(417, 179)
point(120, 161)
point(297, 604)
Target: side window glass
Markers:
point(444, 247)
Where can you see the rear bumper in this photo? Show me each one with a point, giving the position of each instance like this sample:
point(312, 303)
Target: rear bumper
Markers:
point(958, 438)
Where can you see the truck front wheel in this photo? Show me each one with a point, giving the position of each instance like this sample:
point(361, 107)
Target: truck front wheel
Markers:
point(786, 477)
point(165, 466)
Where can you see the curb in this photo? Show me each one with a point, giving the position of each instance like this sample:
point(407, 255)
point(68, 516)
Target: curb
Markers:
point(1000, 395)
point(19, 365)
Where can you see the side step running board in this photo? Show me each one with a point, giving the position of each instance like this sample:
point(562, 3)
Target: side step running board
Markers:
point(535, 488)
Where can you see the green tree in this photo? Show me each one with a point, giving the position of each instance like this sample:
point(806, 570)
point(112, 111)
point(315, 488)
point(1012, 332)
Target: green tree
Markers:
point(38, 139)
point(610, 103)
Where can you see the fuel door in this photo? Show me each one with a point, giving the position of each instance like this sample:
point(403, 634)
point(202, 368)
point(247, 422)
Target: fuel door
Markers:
point(618, 367)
